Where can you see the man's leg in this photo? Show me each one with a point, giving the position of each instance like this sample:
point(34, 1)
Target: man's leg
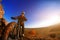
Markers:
point(22, 32)
point(22, 29)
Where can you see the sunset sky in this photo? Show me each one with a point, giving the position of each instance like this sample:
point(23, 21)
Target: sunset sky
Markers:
point(40, 13)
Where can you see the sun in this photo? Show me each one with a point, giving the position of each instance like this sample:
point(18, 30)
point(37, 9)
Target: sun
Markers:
point(51, 20)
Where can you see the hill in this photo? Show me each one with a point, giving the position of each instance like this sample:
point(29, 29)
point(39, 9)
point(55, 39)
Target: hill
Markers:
point(44, 32)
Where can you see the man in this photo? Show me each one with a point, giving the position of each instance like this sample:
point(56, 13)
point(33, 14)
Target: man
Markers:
point(21, 20)
point(3, 22)
point(5, 27)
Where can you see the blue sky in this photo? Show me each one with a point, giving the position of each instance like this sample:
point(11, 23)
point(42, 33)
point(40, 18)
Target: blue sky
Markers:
point(40, 13)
